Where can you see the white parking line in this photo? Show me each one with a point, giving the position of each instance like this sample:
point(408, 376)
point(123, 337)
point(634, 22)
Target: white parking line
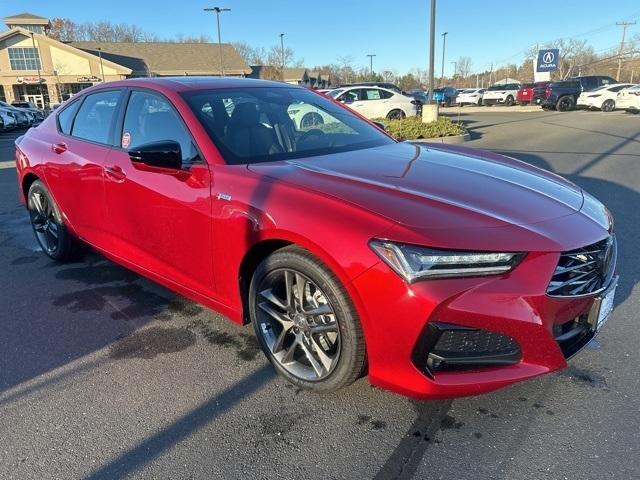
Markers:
point(8, 164)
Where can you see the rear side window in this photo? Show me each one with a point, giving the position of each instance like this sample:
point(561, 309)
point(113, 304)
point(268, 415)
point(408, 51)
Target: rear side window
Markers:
point(65, 117)
point(95, 116)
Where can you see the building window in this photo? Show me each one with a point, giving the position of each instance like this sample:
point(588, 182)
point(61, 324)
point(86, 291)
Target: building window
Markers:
point(32, 28)
point(24, 59)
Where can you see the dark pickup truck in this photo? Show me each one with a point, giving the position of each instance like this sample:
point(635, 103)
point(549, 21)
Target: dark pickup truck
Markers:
point(562, 95)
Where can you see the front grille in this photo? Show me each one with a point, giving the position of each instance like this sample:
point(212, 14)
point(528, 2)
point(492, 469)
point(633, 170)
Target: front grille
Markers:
point(585, 270)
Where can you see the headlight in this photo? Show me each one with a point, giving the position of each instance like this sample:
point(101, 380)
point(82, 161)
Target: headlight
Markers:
point(414, 263)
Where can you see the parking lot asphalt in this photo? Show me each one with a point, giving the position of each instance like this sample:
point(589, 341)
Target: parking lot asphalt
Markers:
point(104, 374)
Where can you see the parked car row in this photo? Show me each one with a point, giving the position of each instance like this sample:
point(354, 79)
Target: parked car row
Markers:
point(19, 115)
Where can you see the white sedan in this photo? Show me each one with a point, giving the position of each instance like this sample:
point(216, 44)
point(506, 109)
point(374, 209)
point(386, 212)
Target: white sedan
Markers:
point(629, 99)
point(376, 102)
point(470, 96)
point(603, 98)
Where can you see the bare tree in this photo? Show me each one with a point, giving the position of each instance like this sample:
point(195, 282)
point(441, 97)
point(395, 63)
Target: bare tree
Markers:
point(251, 55)
point(463, 67)
point(63, 29)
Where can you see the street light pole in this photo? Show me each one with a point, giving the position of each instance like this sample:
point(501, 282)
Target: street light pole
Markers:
point(371, 55)
point(444, 43)
point(432, 50)
point(218, 10)
point(33, 42)
point(101, 67)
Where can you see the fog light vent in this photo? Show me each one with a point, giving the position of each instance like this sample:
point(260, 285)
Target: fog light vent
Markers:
point(452, 347)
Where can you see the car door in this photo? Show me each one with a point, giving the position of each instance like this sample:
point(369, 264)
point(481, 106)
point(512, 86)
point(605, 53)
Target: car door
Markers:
point(374, 102)
point(159, 219)
point(78, 150)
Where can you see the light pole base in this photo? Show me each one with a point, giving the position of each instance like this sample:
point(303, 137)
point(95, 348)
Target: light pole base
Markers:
point(430, 113)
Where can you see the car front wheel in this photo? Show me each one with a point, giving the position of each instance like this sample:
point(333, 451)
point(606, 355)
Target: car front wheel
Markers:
point(46, 220)
point(608, 106)
point(305, 322)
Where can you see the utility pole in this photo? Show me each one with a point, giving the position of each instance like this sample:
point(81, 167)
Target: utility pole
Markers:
point(624, 26)
point(218, 10)
point(33, 42)
point(284, 62)
point(444, 44)
point(101, 67)
point(432, 50)
point(371, 55)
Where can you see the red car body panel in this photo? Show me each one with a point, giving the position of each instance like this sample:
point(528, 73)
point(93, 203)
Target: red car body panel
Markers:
point(192, 231)
point(525, 95)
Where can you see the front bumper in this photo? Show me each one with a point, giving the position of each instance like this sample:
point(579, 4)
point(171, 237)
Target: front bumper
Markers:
point(493, 101)
point(515, 307)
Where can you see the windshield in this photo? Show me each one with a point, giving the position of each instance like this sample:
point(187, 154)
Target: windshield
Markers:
point(265, 124)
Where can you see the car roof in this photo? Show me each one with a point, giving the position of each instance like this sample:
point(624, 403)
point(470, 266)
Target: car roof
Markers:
point(189, 83)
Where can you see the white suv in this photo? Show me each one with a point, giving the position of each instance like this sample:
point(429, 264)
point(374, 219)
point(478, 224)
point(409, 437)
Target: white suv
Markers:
point(470, 96)
point(629, 99)
point(376, 102)
point(504, 94)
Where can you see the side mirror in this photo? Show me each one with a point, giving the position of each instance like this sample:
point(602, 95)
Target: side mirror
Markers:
point(380, 125)
point(163, 154)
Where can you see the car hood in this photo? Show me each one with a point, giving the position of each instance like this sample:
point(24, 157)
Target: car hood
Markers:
point(434, 187)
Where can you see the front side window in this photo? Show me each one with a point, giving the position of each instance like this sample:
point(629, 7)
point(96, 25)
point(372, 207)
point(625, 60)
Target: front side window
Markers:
point(24, 58)
point(151, 118)
point(95, 116)
point(252, 125)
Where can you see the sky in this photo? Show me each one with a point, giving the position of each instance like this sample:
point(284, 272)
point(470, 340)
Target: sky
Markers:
point(397, 32)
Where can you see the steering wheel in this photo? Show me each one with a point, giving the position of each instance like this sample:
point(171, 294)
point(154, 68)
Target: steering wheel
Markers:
point(309, 134)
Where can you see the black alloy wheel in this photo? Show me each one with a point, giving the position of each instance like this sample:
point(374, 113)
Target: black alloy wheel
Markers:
point(48, 226)
point(305, 322)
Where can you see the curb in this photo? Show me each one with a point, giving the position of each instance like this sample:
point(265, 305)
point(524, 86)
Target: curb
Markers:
point(450, 140)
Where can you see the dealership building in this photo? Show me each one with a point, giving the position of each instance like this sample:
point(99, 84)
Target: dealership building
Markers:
point(43, 70)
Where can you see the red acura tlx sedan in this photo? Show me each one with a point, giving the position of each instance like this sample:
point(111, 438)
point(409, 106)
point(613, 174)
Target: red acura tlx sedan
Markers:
point(439, 271)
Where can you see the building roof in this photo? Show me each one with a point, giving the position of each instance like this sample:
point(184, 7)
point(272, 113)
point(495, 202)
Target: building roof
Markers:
point(169, 58)
point(121, 69)
point(294, 73)
point(26, 18)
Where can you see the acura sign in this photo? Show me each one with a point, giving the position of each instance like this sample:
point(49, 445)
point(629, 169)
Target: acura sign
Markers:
point(548, 60)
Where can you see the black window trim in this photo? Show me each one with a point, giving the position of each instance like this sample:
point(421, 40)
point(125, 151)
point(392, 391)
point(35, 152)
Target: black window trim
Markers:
point(82, 99)
point(122, 111)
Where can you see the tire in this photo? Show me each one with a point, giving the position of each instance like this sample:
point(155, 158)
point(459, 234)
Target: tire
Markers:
point(608, 106)
point(55, 239)
point(479, 103)
point(311, 120)
point(565, 104)
point(509, 101)
point(290, 344)
point(396, 114)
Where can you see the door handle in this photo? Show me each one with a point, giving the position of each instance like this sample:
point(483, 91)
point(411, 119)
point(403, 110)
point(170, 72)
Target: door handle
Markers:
point(116, 173)
point(59, 148)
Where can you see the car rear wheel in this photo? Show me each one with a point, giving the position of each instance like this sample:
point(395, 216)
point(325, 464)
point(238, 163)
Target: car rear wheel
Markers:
point(311, 120)
point(509, 101)
point(305, 322)
point(564, 104)
point(608, 106)
point(396, 114)
point(52, 235)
